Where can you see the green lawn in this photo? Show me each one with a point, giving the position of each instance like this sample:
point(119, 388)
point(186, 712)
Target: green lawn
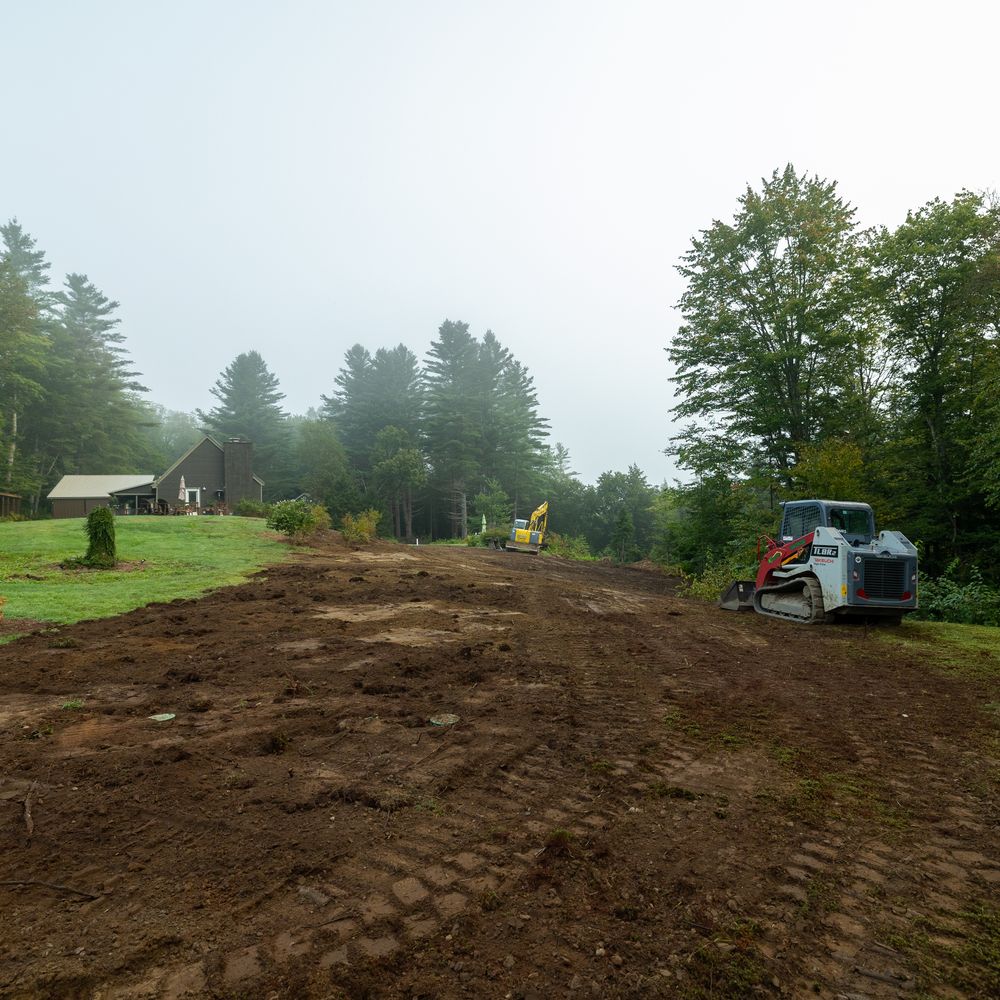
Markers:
point(179, 557)
point(971, 651)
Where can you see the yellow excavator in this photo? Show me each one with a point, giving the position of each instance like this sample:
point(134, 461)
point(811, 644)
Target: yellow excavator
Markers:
point(529, 535)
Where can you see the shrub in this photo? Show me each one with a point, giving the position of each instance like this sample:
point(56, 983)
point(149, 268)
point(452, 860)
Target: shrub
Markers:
point(360, 527)
point(717, 575)
point(101, 550)
point(568, 546)
point(252, 508)
point(945, 599)
point(491, 537)
point(297, 518)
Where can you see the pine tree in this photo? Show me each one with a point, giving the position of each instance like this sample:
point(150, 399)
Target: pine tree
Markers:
point(372, 393)
point(249, 407)
point(23, 347)
point(92, 415)
point(453, 421)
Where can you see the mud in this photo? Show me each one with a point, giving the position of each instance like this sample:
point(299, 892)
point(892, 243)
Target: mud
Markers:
point(643, 796)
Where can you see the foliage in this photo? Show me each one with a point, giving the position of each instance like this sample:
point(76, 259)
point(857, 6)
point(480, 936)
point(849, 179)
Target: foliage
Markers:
point(613, 494)
point(938, 276)
point(101, 548)
point(360, 527)
point(252, 508)
point(374, 392)
point(297, 518)
point(622, 536)
point(399, 471)
point(567, 546)
point(326, 474)
point(968, 602)
point(489, 538)
point(480, 422)
point(764, 343)
point(718, 573)
point(493, 504)
point(833, 468)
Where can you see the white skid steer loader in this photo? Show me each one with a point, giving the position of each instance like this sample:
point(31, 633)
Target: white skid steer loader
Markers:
point(829, 564)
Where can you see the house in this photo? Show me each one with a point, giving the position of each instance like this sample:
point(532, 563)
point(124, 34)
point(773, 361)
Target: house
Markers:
point(212, 474)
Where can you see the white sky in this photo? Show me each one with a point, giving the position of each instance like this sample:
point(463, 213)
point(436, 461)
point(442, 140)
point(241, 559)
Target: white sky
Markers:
point(296, 177)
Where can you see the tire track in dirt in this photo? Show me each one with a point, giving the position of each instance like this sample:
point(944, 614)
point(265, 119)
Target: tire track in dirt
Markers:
point(322, 836)
point(868, 895)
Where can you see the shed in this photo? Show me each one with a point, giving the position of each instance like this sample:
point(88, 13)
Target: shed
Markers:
point(77, 496)
point(10, 503)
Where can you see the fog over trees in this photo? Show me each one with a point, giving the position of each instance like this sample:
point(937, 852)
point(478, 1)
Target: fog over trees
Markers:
point(815, 358)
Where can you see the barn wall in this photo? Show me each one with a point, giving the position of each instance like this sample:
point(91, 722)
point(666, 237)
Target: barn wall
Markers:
point(202, 469)
point(78, 506)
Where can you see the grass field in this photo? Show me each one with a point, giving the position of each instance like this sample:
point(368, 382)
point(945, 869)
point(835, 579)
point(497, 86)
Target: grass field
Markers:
point(165, 557)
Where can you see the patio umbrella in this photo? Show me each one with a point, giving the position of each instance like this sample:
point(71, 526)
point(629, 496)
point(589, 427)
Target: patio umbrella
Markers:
point(182, 493)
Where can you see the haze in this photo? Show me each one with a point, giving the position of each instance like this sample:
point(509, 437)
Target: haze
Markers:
point(299, 177)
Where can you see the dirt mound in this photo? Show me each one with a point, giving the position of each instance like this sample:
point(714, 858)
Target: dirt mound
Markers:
point(641, 796)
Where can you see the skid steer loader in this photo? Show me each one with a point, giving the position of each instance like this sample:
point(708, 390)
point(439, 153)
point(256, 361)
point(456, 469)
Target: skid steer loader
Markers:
point(829, 564)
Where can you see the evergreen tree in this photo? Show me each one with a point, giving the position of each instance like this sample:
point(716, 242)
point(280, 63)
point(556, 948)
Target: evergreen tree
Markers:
point(22, 361)
point(249, 407)
point(91, 415)
point(373, 393)
point(453, 422)
point(23, 347)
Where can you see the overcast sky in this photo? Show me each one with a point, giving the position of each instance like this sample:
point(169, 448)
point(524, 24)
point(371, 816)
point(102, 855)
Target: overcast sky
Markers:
point(296, 177)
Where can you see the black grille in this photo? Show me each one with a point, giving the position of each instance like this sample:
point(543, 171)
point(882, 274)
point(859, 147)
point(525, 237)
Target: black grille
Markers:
point(884, 578)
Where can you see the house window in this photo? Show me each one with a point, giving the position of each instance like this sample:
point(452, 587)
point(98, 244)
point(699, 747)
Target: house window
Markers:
point(194, 497)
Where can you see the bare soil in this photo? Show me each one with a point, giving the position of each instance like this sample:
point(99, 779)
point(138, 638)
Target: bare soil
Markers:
point(643, 796)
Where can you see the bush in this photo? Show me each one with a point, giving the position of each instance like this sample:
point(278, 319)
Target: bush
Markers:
point(568, 546)
point(946, 599)
point(489, 537)
point(297, 518)
point(101, 550)
point(717, 575)
point(360, 527)
point(253, 508)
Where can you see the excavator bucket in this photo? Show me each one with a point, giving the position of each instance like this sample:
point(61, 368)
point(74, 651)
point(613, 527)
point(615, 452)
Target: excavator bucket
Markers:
point(738, 596)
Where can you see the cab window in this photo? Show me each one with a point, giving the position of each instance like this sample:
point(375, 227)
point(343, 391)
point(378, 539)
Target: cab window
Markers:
point(799, 521)
point(853, 522)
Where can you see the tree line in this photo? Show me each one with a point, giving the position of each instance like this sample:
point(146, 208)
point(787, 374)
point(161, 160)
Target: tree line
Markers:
point(820, 358)
point(815, 358)
point(437, 446)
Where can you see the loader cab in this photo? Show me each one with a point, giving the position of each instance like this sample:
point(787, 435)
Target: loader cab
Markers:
point(854, 520)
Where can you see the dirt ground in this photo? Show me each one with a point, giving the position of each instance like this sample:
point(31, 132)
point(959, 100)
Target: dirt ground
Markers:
point(643, 796)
